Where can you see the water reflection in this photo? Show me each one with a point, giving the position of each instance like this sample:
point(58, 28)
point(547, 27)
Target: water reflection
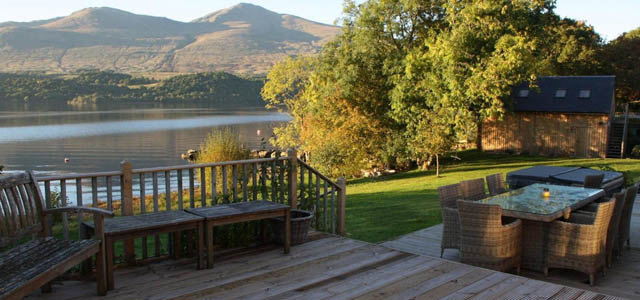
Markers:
point(97, 139)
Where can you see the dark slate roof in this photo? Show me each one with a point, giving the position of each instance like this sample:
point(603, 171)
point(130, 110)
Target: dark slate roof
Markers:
point(543, 98)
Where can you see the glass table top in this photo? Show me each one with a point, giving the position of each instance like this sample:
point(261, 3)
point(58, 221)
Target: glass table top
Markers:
point(529, 199)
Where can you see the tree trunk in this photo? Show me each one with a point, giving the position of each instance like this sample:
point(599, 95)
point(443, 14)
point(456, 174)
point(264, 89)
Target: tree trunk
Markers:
point(479, 136)
point(437, 166)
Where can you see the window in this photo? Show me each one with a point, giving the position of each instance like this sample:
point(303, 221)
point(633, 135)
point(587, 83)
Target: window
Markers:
point(584, 94)
point(561, 93)
point(524, 93)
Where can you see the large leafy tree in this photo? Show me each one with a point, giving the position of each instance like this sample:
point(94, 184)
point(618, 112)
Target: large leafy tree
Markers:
point(470, 67)
point(407, 79)
point(622, 58)
point(287, 87)
point(569, 47)
point(343, 115)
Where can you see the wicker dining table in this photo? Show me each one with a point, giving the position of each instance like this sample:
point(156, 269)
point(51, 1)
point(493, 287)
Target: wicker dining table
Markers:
point(537, 212)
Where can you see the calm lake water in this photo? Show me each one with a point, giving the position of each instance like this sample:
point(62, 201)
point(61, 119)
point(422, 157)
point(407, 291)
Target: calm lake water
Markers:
point(98, 138)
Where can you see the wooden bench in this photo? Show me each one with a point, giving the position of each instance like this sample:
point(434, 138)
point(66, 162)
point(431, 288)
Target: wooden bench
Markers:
point(131, 227)
point(241, 212)
point(27, 266)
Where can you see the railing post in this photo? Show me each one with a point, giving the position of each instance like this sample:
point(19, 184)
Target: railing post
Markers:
point(342, 200)
point(126, 188)
point(293, 178)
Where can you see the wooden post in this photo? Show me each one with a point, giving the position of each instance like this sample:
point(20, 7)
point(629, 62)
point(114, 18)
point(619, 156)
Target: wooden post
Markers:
point(126, 187)
point(98, 220)
point(342, 200)
point(624, 131)
point(293, 178)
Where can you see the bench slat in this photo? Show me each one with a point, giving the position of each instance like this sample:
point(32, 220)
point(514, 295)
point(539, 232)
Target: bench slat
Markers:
point(146, 221)
point(20, 264)
point(235, 209)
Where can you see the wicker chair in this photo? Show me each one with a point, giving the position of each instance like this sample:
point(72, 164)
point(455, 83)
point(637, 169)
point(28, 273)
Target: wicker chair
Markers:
point(614, 224)
point(449, 194)
point(485, 241)
point(496, 184)
point(580, 243)
point(625, 219)
point(593, 181)
point(473, 189)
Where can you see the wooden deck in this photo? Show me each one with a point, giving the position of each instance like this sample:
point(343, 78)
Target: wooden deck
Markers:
point(329, 267)
point(623, 280)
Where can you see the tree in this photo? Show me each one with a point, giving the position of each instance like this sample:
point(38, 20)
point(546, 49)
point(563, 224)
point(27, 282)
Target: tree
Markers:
point(342, 117)
point(408, 78)
point(570, 48)
point(467, 71)
point(285, 88)
point(433, 135)
point(622, 58)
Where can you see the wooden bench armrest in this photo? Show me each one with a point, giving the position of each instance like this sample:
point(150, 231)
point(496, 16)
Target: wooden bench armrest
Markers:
point(79, 209)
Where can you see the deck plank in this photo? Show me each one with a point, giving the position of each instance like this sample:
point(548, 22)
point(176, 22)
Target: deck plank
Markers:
point(229, 272)
point(171, 274)
point(440, 271)
point(498, 290)
point(529, 288)
point(477, 287)
point(443, 274)
point(455, 285)
point(327, 268)
point(281, 280)
point(623, 280)
point(433, 279)
point(394, 290)
point(545, 292)
point(364, 282)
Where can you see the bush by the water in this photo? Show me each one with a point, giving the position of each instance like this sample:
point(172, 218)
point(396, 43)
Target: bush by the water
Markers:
point(222, 145)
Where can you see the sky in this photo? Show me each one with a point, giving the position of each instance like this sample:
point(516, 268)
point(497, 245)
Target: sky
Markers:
point(609, 18)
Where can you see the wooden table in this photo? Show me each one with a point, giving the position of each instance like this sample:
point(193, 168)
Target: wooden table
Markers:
point(537, 212)
point(241, 212)
point(130, 227)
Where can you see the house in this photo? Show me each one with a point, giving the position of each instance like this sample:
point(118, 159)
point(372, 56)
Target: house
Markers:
point(560, 116)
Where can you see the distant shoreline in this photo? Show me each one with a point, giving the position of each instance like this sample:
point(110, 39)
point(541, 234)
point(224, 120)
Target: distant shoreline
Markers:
point(93, 87)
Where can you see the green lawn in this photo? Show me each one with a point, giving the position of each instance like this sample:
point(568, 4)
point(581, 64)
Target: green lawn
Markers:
point(383, 208)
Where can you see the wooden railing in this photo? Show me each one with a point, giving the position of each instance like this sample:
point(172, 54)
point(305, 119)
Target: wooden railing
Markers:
point(326, 196)
point(131, 191)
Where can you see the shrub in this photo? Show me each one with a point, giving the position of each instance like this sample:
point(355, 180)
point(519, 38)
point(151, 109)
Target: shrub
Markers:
point(221, 145)
point(635, 152)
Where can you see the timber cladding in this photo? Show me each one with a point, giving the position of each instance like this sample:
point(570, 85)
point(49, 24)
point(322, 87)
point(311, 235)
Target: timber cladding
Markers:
point(547, 134)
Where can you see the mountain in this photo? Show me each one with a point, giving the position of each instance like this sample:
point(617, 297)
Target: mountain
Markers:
point(244, 38)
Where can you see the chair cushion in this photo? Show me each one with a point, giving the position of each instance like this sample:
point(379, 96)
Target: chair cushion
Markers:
point(25, 262)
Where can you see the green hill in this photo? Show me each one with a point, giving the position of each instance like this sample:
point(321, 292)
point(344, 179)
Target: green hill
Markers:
point(86, 87)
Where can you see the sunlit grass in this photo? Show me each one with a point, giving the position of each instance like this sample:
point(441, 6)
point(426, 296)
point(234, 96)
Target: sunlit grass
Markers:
point(383, 208)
